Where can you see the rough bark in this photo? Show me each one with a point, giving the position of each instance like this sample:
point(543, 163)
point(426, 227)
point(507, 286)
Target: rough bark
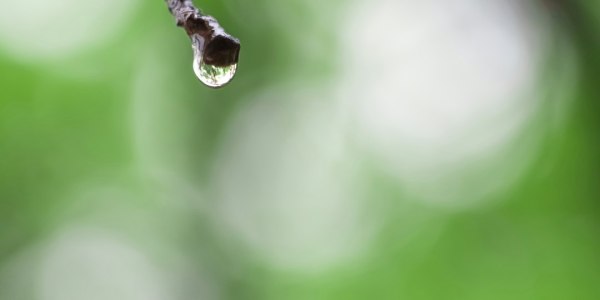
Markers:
point(218, 47)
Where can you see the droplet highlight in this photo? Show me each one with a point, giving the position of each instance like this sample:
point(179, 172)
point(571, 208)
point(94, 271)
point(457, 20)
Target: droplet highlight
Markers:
point(211, 75)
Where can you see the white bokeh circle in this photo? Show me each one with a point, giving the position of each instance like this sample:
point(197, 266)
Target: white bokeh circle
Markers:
point(38, 30)
point(85, 263)
point(440, 89)
point(284, 183)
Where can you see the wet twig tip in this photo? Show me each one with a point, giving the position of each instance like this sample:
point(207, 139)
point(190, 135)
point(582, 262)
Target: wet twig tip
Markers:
point(217, 50)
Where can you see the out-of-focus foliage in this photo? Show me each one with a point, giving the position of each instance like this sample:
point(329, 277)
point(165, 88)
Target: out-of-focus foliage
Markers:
point(365, 150)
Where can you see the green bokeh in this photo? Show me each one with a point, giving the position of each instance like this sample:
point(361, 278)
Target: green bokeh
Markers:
point(71, 123)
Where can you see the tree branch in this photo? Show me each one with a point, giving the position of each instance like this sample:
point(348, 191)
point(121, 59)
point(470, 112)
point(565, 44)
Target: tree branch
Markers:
point(218, 48)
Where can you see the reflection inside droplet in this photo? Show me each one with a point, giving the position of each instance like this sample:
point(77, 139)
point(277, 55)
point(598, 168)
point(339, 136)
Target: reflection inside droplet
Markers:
point(211, 75)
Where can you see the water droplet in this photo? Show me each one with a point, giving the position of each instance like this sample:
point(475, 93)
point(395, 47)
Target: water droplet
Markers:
point(211, 75)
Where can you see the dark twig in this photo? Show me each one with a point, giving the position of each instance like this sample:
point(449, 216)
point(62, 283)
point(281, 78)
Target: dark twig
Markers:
point(218, 47)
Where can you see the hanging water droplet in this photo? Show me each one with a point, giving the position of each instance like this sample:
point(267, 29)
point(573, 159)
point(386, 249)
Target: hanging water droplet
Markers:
point(212, 75)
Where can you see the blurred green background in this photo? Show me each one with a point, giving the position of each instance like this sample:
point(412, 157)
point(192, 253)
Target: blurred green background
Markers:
point(365, 150)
